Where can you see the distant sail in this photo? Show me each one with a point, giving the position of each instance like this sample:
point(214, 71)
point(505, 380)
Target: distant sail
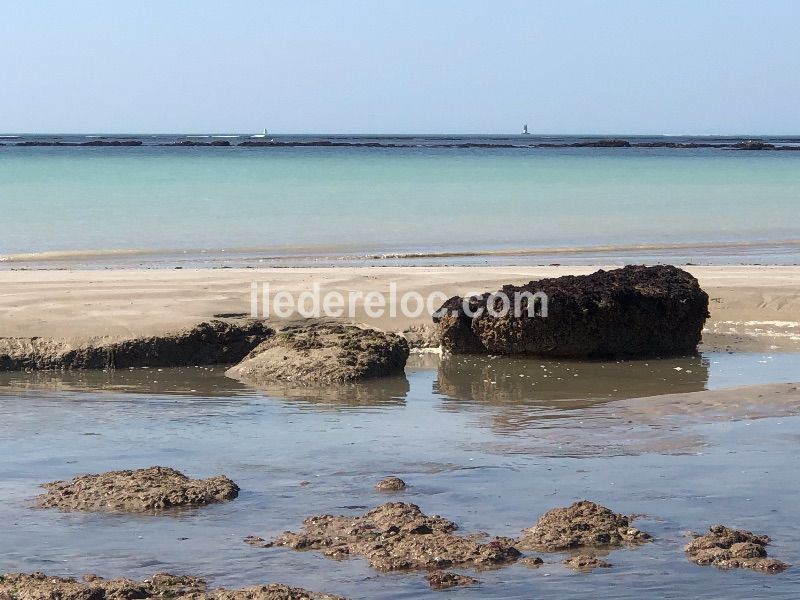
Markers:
point(525, 129)
point(260, 135)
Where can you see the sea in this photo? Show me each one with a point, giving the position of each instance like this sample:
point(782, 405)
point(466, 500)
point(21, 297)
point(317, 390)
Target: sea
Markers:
point(306, 200)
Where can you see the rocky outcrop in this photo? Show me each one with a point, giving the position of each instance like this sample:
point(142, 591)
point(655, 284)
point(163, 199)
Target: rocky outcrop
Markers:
point(753, 145)
point(141, 490)
point(89, 143)
point(728, 548)
point(215, 342)
point(195, 143)
point(583, 524)
point(38, 586)
point(635, 311)
point(397, 536)
point(323, 354)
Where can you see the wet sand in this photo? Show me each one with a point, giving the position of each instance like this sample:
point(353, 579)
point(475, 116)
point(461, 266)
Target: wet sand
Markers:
point(753, 308)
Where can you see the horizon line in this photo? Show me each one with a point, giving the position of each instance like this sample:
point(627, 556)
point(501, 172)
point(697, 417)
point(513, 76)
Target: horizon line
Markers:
point(387, 134)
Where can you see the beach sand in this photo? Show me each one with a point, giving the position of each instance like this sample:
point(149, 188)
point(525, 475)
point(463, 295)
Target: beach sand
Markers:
point(753, 308)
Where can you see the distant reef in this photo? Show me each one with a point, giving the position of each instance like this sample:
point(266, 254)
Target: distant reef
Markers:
point(747, 145)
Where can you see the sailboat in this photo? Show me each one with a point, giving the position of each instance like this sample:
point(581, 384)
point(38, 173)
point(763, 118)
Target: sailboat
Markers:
point(260, 135)
point(525, 129)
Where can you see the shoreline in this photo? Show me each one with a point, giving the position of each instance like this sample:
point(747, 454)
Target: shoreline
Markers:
point(757, 252)
point(753, 308)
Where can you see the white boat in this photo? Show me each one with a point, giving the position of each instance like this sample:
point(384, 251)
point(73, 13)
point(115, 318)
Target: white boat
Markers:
point(525, 129)
point(260, 135)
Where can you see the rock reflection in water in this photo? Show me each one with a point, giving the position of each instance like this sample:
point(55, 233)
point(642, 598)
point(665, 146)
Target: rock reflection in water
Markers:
point(564, 384)
point(207, 382)
point(383, 392)
point(558, 399)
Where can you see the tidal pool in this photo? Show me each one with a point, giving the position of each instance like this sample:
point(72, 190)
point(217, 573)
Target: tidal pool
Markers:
point(491, 443)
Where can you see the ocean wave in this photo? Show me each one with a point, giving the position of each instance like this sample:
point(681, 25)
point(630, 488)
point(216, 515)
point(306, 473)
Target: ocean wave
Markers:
point(342, 253)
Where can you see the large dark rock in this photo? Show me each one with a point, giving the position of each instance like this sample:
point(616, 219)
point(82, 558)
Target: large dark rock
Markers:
point(635, 311)
point(215, 342)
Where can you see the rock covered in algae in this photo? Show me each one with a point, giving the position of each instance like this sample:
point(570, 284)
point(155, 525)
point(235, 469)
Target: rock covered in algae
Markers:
point(728, 548)
point(139, 490)
point(584, 563)
point(38, 586)
point(323, 354)
point(390, 484)
point(398, 536)
point(442, 580)
point(582, 524)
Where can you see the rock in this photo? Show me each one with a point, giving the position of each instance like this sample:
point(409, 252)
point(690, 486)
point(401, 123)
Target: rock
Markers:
point(398, 536)
point(753, 145)
point(532, 562)
point(214, 342)
point(325, 354)
point(635, 311)
point(580, 525)
point(193, 143)
point(38, 586)
point(390, 484)
point(254, 540)
point(585, 563)
point(142, 490)
point(442, 580)
point(89, 143)
point(728, 548)
point(602, 144)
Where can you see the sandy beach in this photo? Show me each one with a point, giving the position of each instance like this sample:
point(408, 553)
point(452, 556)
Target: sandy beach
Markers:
point(752, 307)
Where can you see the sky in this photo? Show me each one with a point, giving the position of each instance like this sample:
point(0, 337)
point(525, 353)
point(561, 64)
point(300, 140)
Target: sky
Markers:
point(400, 66)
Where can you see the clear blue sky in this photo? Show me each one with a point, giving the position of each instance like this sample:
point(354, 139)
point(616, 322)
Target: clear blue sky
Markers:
point(324, 66)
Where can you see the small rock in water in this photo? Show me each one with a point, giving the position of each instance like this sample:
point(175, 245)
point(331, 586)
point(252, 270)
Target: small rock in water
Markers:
point(585, 563)
point(254, 540)
point(582, 524)
point(728, 548)
point(441, 580)
point(532, 562)
point(140, 490)
point(390, 484)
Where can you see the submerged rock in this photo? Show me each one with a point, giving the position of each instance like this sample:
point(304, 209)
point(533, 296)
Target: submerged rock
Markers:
point(398, 536)
point(635, 311)
point(532, 562)
point(38, 586)
point(580, 525)
point(214, 342)
point(140, 490)
point(585, 563)
point(323, 354)
point(390, 484)
point(442, 580)
point(728, 548)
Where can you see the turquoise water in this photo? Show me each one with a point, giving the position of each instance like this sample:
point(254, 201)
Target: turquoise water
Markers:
point(330, 203)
